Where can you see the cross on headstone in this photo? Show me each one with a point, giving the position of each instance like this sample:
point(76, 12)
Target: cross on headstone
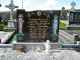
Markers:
point(73, 4)
point(11, 6)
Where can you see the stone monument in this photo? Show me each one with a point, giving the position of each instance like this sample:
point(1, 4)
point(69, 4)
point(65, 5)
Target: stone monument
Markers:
point(73, 4)
point(63, 15)
point(11, 6)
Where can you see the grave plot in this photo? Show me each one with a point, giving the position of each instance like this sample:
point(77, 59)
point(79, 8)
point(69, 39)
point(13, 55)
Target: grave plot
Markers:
point(56, 54)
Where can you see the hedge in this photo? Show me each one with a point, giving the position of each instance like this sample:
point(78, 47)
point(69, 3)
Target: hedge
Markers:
point(62, 26)
point(2, 27)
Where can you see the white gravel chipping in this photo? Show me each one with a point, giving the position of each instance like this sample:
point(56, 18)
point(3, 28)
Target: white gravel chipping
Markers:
point(9, 54)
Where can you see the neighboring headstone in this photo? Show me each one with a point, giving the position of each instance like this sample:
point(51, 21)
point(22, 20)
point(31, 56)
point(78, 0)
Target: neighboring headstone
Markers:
point(74, 20)
point(11, 6)
point(63, 15)
point(73, 4)
point(76, 38)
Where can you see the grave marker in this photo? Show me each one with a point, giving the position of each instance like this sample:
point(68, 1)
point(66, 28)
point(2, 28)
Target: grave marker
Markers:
point(11, 6)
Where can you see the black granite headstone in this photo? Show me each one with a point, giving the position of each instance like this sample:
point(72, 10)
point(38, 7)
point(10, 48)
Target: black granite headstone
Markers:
point(74, 18)
point(38, 26)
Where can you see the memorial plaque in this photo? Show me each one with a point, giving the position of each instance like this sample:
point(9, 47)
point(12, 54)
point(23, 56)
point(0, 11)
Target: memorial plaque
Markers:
point(38, 29)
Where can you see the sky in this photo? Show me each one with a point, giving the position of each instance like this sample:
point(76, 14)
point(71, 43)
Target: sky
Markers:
point(30, 5)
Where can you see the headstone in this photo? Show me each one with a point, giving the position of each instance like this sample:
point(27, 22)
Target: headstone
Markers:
point(38, 28)
point(74, 20)
point(63, 15)
point(76, 38)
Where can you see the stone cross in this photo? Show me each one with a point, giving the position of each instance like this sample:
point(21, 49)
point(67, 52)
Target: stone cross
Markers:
point(73, 6)
point(11, 6)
